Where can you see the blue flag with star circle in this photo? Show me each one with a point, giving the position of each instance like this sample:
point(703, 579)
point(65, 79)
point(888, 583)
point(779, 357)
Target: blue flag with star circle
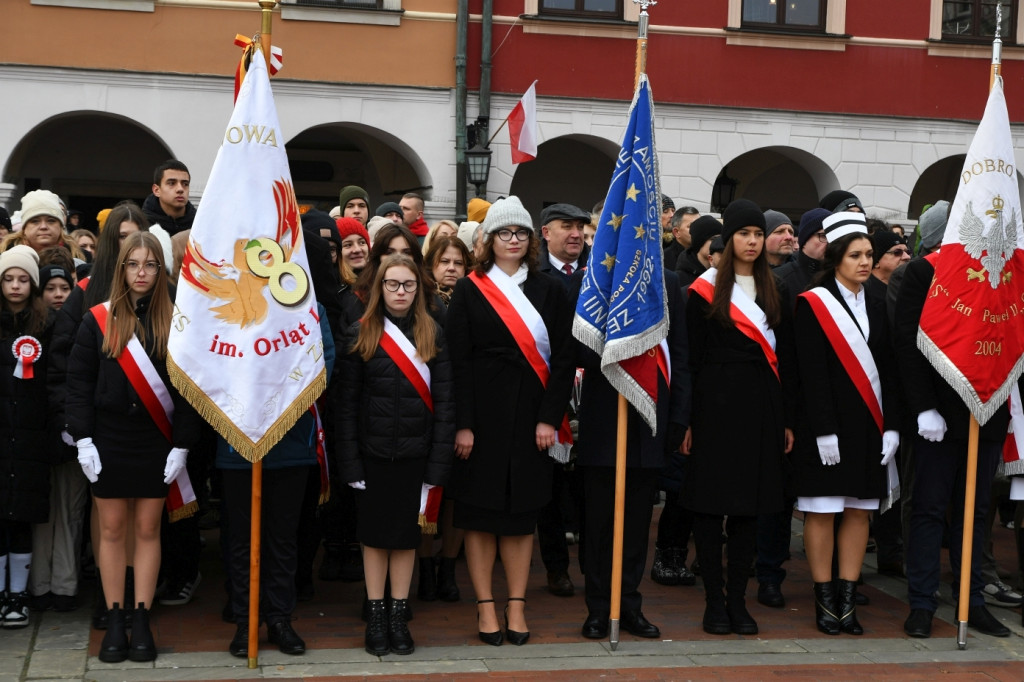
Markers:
point(622, 312)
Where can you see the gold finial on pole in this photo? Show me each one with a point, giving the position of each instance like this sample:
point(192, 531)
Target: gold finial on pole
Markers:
point(266, 27)
point(997, 47)
point(641, 40)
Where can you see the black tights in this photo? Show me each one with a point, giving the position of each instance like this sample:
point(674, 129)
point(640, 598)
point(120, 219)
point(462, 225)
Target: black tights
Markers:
point(741, 545)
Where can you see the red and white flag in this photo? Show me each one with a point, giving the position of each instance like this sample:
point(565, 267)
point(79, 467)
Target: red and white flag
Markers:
point(972, 324)
point(245, 346)
point(522, 127)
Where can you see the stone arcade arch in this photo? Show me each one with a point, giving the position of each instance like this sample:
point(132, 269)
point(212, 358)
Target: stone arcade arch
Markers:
point(91, 159)
point(785, 179)
point(574, 168)
point(325, 158)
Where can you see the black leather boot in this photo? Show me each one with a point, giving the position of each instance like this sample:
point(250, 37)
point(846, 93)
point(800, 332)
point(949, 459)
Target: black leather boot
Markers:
point(428, 580)
point(376, 628)
point(846, 605)
point(142, 648)
point(447, 588)
point(825, 608)
point(114, 648)
point(741, 543)
point(707, 535)
point(399, 639)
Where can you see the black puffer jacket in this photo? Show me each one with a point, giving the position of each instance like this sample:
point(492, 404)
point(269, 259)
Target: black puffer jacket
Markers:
point(28, 437)
point(380, 414)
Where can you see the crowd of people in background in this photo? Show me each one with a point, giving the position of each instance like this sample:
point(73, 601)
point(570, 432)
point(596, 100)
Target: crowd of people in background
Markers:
point(455, 385)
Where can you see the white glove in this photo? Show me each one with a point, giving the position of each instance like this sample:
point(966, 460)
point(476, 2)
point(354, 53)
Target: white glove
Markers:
point(66, 437)
point(931, 426)
point(890, 443)
point(828, 449)
point(89, 459)
point(428, 487)
point(358, 485)
point(175, 463)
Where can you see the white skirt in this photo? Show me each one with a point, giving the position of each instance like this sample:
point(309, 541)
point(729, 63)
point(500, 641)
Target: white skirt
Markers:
point(833, 505)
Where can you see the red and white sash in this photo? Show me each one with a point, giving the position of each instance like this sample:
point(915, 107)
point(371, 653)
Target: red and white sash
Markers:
point(527, 328)
point(403, 353)
point(144, 378)
point(1013, 448)
point(745, 313)
point(850, 346)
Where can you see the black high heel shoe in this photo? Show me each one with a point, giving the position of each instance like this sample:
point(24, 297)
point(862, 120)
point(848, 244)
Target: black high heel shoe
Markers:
point(517, 638)
point(493, 638)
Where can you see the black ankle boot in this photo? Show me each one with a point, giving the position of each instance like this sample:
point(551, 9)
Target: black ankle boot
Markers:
point(447, 588)
point(707, 534)
point(376, 628)
point(740, 620)
point(399, 639)
point(142, 648)
point(846, 607)
point(825, 608)
point(114, 648)
point(428, 580)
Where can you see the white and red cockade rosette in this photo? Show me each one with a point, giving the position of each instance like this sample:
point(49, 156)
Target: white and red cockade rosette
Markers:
point(972, 323)
point(27, 350)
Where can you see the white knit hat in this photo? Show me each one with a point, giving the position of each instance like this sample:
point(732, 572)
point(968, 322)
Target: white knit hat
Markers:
point(507, 212)
point(41, 202)
point(21, 256)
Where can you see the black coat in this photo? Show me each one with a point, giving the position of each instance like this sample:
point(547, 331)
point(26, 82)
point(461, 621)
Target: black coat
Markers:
point(923, 387)
point(740, 411)
point(155, 212)
point(797, 275)
point(500, 397)
point(381, 415)
point(688, 268)
point(831, 404)
point(29, 436)
point(101, 399)
point(671, 252)
point(599, 401)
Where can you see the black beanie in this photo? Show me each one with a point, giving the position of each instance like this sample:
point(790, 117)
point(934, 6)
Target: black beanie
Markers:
point(840, 200)
point(318, 220)
point(739, 214)
point(810, 224)
point(882, 241)
point(701, 230)
point(388, 207)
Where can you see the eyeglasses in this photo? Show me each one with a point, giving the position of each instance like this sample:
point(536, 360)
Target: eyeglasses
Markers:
point(520, 235)
point(821, 237)
point(151, 266)
point(899, 253)
point(394, 285)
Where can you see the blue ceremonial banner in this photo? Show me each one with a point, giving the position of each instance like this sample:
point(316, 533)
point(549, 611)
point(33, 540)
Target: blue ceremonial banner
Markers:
point(622, 312)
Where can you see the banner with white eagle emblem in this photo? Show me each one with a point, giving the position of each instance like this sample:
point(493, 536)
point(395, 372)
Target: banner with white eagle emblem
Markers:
point(245, 346)
point(972, 324)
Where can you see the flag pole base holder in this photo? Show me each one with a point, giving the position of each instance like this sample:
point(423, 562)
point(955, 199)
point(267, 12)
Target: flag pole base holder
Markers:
point(614, 638)
point(961, 635)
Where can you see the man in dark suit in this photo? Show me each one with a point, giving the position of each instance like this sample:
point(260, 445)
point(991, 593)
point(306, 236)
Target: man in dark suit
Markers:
point(645, 458)
point(563, 251)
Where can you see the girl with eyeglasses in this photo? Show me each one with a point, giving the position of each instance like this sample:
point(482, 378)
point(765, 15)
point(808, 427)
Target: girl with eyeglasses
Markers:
point(509, 328)
point(396, 419)
point(133, 432)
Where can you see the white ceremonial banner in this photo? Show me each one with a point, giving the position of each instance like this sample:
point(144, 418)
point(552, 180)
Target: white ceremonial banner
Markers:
point(245, 346)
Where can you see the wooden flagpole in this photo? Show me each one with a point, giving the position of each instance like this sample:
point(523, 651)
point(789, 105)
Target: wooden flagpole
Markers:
point(620, 441)
point(971, 486)
point(256, 508)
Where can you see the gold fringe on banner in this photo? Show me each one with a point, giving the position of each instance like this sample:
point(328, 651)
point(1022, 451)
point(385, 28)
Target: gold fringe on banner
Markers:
point(183, 512)
point(215, 417)
point(427, 528)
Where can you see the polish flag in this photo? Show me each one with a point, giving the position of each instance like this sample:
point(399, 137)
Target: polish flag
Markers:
point(522, 127)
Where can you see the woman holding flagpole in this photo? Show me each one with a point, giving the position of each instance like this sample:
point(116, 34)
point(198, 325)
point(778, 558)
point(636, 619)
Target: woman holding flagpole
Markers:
point(509, 329)
point(740, 356)
point(396, 424)
point(132, 429)
point(849, 431)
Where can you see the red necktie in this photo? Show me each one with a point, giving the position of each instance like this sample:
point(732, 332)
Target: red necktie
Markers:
point(567, 269)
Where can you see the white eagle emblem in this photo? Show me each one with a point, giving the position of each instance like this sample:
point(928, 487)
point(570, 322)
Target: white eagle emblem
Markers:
point(995, 248)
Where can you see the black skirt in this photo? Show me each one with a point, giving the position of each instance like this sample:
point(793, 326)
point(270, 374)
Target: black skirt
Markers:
point(133, 454)
point(389, 508)
point(503, 523)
